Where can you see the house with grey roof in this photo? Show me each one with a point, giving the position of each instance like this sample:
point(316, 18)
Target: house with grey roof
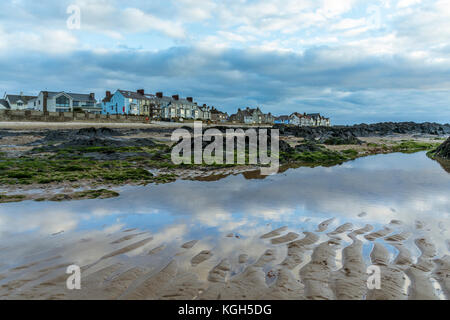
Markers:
point(4, 105)
point(153, 105)
point(319, 120)
point(218, 116)
point(308, 120)
point(52, 101)
point(19, 101)
point(130, 102)
point(252, 116)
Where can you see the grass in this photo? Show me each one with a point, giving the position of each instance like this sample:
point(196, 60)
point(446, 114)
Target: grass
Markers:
point(412, 146)
point(87, 194)
point(24, 171)
point(12, 198)
point(80, 195)
point(321, 157)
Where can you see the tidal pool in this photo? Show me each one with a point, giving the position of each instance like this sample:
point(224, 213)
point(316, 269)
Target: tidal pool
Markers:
point(127, 244)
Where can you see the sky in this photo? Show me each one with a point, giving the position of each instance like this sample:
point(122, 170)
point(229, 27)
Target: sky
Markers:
point(351, 60)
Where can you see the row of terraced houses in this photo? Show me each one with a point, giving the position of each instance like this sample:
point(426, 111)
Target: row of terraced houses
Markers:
point(153, 106)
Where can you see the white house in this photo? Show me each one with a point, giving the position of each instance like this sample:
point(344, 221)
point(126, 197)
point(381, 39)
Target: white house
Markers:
point(18, 101)
point(318, 120)
point(64, 101)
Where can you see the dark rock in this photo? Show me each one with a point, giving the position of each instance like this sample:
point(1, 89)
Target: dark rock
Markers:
point(443, 151)
point(83, 133)
point(334, 141)
point(364, 130)
point(97, 132)
point(116, 155)
point(285, 147)
point(308, 146)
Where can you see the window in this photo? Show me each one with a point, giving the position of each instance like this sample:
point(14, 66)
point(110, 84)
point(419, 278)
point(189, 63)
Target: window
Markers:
point(62, 102)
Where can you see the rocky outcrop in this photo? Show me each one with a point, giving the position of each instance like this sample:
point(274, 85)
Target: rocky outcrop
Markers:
point(443, 151)
point(336, 133)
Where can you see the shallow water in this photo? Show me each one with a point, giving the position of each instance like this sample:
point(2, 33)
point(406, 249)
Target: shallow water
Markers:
point(227, 216)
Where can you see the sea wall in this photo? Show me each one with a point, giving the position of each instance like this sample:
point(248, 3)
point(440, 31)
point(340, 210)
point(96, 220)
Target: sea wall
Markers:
point(29, 115)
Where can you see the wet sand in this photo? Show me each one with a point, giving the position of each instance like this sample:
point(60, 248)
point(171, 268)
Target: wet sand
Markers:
point(326, 263)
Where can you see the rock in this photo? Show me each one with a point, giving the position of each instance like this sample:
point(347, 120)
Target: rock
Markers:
point(364, 130)
point(308, 146)
point(285, 147)
point(443, 151)
point(342, 140)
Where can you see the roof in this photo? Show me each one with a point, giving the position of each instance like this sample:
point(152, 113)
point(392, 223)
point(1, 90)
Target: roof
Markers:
point(216, 111)
point(74, 96)
point(248, 112)
point(13, 98)
point(297, 114)
point(185, 101)
point(314, 115)
point(138, 96)
point(283, 118)
point(4, 103)
point(135, 95)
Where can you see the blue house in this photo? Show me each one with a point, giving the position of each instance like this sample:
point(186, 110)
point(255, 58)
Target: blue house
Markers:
point(126, 102)
point(282, 120)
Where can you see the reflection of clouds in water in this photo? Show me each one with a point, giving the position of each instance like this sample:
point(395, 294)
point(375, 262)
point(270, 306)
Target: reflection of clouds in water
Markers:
point(416, 187)
point(50, 221)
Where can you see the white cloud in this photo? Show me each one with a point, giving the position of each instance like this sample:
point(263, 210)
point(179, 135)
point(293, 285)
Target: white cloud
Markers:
point(136, 20)
point(348, 24)
point(407, 3)
point(43, 40)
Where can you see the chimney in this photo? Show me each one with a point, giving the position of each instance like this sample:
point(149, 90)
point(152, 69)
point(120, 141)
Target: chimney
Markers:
point(44, 102)
point(92, 96)
point(189, 99)
point(159, 94)
point(108, 94)
point(140, 91)
point(176, 97)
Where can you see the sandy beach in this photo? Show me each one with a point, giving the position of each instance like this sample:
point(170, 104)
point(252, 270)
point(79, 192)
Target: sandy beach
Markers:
point(322, 264)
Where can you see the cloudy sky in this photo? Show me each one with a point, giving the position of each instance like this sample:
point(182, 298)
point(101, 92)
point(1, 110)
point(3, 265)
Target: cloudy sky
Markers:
point(352, 60)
